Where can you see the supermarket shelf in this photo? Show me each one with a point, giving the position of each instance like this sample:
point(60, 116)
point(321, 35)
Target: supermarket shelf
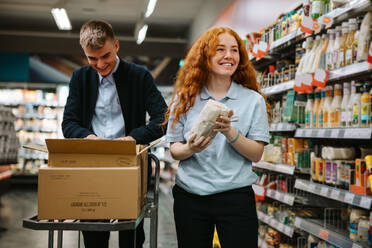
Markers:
point(334, 193)
point(349, 70)
point(271, 221)
point(289, 37)
point(326, 234)
point(352, 6)
point(281, 196)
point(16, 104)
point(37, 116)
point(279, 88)
point(282, 127)
point(334, 133)
point(5, 175)
point(36, 130)
point(281, 168)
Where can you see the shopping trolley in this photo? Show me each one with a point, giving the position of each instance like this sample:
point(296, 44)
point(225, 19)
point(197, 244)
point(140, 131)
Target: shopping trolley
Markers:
point(149, 210)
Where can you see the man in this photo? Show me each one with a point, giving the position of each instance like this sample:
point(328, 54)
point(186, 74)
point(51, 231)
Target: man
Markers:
point(108, 100)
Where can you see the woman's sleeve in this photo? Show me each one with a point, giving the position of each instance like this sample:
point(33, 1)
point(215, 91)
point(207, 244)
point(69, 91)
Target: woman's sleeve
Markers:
point(259, 128)
point(175, 133)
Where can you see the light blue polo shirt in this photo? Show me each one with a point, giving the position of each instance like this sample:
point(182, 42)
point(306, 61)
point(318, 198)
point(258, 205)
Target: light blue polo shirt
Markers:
point(220, 167)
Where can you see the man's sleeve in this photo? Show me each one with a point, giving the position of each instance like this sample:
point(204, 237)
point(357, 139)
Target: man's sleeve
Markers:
point(72, 115)
point(156, 107)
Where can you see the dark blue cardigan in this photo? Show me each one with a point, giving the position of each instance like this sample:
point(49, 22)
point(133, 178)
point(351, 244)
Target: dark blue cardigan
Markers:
point(137, 94)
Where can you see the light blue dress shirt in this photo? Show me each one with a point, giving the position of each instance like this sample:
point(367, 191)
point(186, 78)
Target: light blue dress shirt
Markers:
point(108, 121)
point(220, 167)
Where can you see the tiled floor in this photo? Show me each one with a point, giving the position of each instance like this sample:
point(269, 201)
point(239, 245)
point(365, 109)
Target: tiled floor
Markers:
point(21, 202)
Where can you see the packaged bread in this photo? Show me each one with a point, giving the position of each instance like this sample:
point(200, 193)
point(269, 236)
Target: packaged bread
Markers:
point(208, 116)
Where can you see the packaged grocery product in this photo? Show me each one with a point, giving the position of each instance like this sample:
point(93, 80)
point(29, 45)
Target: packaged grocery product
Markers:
point(364, 37)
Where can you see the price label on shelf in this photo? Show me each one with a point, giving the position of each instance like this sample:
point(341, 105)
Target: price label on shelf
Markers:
point(334, 133)
point(288, 230)
point(323, 234)
point(326, 20)
point(335, 194)
point(307, 24)
point(355, 245)
point(281, 227)
point(324, 191)
point(280, 126)
point(272, 222)
point(349, 198)
point(321, 133)
point(312, 187)
point(365, 202)
point(297, 222)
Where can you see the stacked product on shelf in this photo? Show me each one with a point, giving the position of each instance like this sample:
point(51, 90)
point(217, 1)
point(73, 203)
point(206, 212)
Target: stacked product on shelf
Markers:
point(319, 157)
point(38, 116)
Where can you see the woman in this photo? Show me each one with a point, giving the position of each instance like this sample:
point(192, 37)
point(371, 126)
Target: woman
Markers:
point(214, 177)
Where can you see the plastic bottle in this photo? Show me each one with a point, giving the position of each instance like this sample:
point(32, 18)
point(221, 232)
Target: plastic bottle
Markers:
point(335, 119)
point(350, 105)
point(316, 108)
point(320, 118)
point(365, 106)
point(309, 110)
point(356, 102)
point(344, 103)
point(350, 50)
point(311, 56)
point(342, 49)
point(317, 8)
point(320, 57)
point(356, 38)
point(364, 37)
point(338, 44)
point(330, 48)
point(327, 107)
point(308, 46)
point(312, 241)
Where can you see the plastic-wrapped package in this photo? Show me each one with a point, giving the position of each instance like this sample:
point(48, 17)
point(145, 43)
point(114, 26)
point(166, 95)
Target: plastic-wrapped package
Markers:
point(333, 153)
point(210, 113)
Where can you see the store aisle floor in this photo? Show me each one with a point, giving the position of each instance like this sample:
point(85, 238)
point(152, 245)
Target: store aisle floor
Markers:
point(21, 202)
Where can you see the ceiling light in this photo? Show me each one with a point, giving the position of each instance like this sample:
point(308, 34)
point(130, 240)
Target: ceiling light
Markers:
point(150, 8)
point(61, 18)
point(142, 34)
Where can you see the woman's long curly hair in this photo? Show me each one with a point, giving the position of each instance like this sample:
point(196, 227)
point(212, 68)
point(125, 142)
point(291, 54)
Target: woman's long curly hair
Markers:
point(194, 74)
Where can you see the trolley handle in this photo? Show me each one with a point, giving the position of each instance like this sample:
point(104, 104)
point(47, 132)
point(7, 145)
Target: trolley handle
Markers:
point(152, 157)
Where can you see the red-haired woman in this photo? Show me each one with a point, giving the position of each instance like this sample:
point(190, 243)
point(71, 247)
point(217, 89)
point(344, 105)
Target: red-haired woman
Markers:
point(214, 177)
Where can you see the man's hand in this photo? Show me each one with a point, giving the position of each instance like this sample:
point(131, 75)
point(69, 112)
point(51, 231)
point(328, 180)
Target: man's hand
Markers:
point(199, 145)
point(127, 138)
point(93, 137)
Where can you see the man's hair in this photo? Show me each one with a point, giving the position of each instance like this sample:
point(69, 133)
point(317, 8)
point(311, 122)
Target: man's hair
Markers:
point(95, 33)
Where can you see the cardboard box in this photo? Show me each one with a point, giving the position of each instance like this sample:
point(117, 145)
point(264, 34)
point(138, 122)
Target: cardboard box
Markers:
point(76, 153)
point(92, 153)
point(89, 193)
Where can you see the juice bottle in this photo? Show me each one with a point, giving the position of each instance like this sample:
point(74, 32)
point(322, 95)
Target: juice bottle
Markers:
point(316, 108)
point(320, 57)
point(344, 103)
point(350, 105)
point(309, 110)
point(335, 119)
point(329, 53)
point(337, 46)
point(342, 49)
point(356, 105)
point(317, 8)
point(320, 117)
point(327, 107)
point(310, 57)
point(365, 106)
point(349, 53)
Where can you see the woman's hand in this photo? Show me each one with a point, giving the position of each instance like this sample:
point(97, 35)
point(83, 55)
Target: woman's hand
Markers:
point(224, 126)
point(198, 145)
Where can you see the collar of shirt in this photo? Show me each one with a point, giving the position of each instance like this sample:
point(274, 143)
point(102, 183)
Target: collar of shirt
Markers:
point(232, 93)
point(109, 78)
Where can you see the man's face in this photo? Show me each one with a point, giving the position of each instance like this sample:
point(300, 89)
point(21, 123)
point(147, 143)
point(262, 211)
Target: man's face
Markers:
point(103, 60)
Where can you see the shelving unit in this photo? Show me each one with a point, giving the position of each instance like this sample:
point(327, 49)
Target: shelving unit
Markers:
point(304, 190)
point(327, 234)
point(334, 193)
point(280, 168)
point(271, 221)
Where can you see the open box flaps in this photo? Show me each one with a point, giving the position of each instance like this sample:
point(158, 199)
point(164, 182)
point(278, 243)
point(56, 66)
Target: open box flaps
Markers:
point(92, 153)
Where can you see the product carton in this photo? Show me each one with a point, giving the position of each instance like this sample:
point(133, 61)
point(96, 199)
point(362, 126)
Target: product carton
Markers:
point(89, 193)
point(77, 153)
